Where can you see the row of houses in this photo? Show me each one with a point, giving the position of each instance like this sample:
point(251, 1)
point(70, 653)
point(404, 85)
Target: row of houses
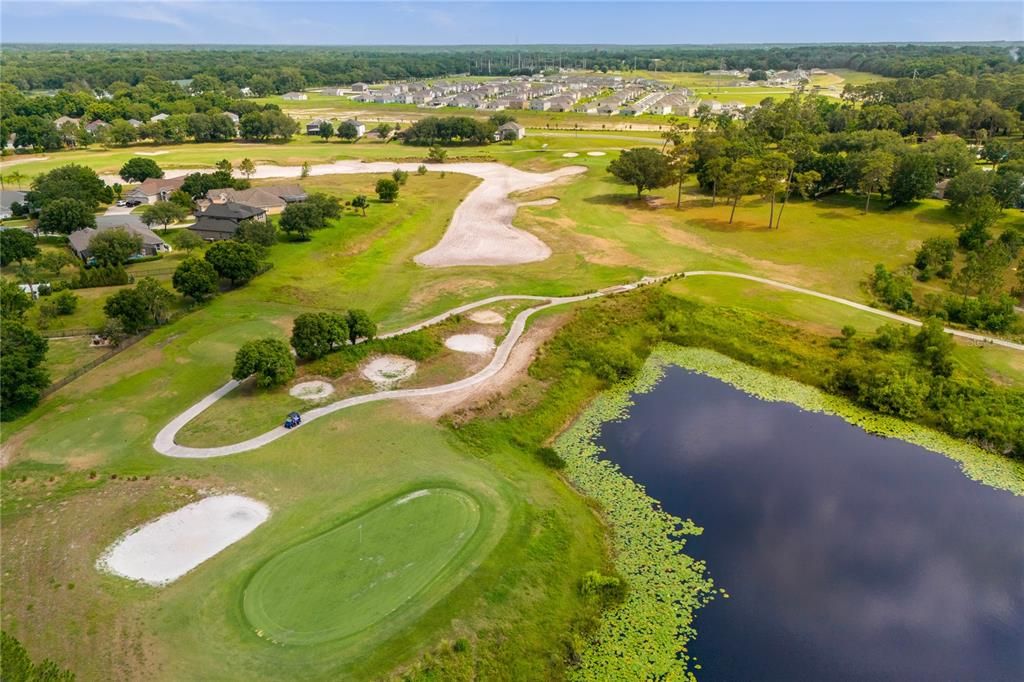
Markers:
point(313, 127)
point(98, 124)
point(218, 216)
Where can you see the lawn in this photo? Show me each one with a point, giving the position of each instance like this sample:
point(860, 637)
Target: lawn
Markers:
point(343, 583)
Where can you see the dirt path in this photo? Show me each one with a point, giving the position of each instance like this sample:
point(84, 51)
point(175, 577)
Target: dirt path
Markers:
point(164, 441)
point(480, 232)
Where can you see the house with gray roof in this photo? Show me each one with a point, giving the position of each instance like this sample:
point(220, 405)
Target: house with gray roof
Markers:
point(221, 221)
point(152, 245)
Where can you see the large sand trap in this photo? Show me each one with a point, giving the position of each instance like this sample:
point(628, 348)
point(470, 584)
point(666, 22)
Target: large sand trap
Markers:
point(480, 232)
point(388, 370)
point(150, 153)
point(311, 390)
point(470, 343)
point(595, 153)
point(163, 550)
point(486, 317)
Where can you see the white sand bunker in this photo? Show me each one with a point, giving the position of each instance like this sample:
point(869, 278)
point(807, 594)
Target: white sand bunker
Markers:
point(163, 550)
point(486, 317)
point(595, 153)
point(388, 370)
point(150, 153)
point(470, 343)
point(311, 390)
point(570, 155)
point(547, 201)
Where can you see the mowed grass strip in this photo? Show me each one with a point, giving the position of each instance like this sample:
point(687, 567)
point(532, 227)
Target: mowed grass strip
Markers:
point(346, 580)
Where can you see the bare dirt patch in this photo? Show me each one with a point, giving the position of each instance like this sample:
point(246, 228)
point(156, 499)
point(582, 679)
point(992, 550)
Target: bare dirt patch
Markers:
point(513, 373)
point(547, 201)
point(478, 344)
point(387, 371)
point(311, 390)
point(163, 550)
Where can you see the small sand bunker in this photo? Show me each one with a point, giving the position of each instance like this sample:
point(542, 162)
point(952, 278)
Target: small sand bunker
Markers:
point(150, 153)
point(595, 153)
point(470, 343)
point(570, 155)
point(311, 390)
point(163, 550)
point(486, 317)
point(547, 201)
point(389, 370)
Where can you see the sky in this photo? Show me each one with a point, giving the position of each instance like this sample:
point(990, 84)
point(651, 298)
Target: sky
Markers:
point(505, 22)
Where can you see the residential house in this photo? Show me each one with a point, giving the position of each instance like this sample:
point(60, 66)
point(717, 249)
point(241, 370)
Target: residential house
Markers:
point(96, 126)
point(159, 117)
point(295, 96)
point(272, 198)
point(360, 87)
point(80, 240)
point(510, 131)
point(233, 116)
point(246, 92)
point(155, 189)
point(313, 127)
point(333, 92)
point(221, 221)
point(135, 123)
point(8, 197)
point(360, 127)
point(63, 120)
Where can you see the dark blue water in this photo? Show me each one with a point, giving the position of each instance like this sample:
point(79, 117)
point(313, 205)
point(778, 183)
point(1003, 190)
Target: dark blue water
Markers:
point(846, 556)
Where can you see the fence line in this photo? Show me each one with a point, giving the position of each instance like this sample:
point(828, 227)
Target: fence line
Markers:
point(94, 363)
point(65, 333)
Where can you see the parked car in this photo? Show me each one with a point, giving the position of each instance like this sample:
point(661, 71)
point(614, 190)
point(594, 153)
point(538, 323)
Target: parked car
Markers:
point(121, 202)
point(293, 420)
point(132, 203)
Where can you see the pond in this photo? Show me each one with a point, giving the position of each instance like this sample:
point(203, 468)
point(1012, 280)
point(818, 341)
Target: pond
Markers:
point(846, 556)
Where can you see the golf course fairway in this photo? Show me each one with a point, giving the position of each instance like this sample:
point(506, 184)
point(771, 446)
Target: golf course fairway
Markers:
point(342, 582)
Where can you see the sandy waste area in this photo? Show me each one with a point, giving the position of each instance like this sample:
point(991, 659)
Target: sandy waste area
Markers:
point(311, 390)
point(167, 548)
point(478, 344)
point(486, 317)
point(388, 370)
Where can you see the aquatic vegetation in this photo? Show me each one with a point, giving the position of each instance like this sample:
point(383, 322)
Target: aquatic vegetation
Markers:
point(645, 636)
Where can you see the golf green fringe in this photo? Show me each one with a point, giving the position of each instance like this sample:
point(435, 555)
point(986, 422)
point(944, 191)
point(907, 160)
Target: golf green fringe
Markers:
point(645, 637)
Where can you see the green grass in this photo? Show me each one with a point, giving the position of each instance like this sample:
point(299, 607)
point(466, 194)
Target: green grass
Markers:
point(374, 566)
point(519, 608)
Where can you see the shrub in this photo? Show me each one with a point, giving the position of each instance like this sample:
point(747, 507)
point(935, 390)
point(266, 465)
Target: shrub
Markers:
point(387, 190)
point(103, 276)
point(935, 258)
point(314, 335)
point(892, 289)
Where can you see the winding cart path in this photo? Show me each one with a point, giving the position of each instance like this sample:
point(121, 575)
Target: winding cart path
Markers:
point(164, 442)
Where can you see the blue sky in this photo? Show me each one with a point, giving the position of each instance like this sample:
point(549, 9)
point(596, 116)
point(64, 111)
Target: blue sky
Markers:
point(413, 22)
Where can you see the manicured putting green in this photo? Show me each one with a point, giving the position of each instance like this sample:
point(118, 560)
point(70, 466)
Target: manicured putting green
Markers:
point(353, 576)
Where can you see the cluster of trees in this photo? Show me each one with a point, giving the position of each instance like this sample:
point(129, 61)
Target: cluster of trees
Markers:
point(19, 666)
point(268, 125)
point(65, 199)
point(190, 115)
point(219, 71)
point(22, 375)
point(304, 217)
point(140, 307)
point(449, 130)
point(795, 146)
point(314, 335)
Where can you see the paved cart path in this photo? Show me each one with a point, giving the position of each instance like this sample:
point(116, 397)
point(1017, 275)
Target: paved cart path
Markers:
point(164, 442)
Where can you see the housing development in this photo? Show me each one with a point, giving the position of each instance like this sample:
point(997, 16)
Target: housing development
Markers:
point(523, 361)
